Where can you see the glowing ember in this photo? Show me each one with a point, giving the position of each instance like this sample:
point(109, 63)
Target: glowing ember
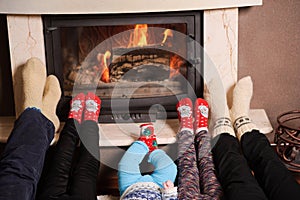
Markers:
point(103, 66)
point(139, 36)
point(175, 63)
point(167, 33)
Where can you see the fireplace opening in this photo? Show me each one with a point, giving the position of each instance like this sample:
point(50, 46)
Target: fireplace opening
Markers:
point(138, 64)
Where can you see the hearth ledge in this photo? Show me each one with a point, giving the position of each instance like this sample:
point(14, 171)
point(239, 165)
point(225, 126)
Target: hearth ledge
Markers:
point(125, 134)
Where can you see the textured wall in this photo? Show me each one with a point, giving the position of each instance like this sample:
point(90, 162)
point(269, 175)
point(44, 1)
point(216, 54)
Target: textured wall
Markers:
point(269, 47)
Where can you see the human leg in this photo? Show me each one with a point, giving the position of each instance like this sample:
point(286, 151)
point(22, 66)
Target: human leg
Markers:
point(271, 174)
point(128, 167)
point(55, 181)
point(188, 174)
point(269, 171)
point(232, 169)
point(23, 158)
point(85, 174)
point(164, 167)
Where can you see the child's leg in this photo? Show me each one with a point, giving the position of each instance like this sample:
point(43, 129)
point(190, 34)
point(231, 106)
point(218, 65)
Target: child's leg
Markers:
point(164, 167)
point(128, 168)
point(188, 173)
point(209, 184)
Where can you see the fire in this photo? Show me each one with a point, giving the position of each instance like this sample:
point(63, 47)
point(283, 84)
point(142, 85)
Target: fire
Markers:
point(103, 66)
point(175, 63)
point(167, 33)
point(139, 36)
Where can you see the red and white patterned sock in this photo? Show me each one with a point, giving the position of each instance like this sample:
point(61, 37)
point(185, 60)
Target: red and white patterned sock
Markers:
point(77, 106)
point(92, 107)
point(185, 114)
point(201, 115)
point(148, 136)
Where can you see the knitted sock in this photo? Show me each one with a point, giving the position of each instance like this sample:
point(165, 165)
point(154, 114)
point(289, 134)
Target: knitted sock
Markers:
point(220, 118)
point(148, 136)
point(200, 115)
point(77, 106)
point(52, 93)
point(242, 95)
point(29, 83)
point(92, 107)
point(185, 115)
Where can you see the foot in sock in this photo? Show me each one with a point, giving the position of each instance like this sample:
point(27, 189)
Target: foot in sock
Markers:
point(148, 136)
point(92, 107)
point(200, 115)
point(185, 114)
point(77, 107)
point(220, 117)
point(52, 94)
point(29, 85)
point(241, 100)
point(242, 95)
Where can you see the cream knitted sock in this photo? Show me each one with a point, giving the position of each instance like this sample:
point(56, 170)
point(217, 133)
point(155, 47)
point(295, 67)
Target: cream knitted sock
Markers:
point(52, 94)
point(242, 95)
point(220, 118)
point(29, 83)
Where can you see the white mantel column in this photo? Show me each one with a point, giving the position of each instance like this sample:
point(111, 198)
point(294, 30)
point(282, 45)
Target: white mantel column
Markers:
point(26, 39)
point(221, 44)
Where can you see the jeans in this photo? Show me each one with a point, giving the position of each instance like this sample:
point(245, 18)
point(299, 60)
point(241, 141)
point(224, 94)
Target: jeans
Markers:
point(23, 157)
point(129, 171)
point(68, 179)
point(235, 162)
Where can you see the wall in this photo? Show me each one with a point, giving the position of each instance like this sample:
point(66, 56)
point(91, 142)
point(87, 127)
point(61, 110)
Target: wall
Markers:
point(269, 46)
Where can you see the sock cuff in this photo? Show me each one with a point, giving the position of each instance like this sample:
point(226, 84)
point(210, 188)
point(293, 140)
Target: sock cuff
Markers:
point(223, 125)
point(187, 129)
point(243, 125)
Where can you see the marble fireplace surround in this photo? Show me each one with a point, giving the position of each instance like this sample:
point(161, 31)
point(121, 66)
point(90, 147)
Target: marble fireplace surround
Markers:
point(25, 31)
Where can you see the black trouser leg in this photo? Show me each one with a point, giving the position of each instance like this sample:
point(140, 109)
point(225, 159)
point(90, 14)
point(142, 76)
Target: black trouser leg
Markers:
point(270, 172)
point(233, 171)
point(84, 178)
point(56, 178)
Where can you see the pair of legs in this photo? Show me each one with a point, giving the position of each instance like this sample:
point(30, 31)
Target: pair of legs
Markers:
point(129, 166)
point(66, 177)
point(36, 98)
point(247, 166)
point(196, 171)
point(63, 179)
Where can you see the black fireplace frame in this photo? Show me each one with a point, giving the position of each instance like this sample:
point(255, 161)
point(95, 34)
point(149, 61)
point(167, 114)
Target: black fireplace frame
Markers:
point(138, 107)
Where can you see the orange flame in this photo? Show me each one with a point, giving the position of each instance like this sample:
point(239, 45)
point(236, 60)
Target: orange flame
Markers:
point(139, 36)
point(103, 65)
point(175, 63)
point(167, 33)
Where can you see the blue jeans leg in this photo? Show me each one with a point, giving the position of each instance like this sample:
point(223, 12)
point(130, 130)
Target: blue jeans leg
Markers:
point(23, 157)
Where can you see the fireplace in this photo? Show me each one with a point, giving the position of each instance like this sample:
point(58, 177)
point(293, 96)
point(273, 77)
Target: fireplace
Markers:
point(138, 64)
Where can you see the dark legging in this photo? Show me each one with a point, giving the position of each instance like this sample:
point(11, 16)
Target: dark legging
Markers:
point(63, 180)
point(236, 161)
point(196, 175)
